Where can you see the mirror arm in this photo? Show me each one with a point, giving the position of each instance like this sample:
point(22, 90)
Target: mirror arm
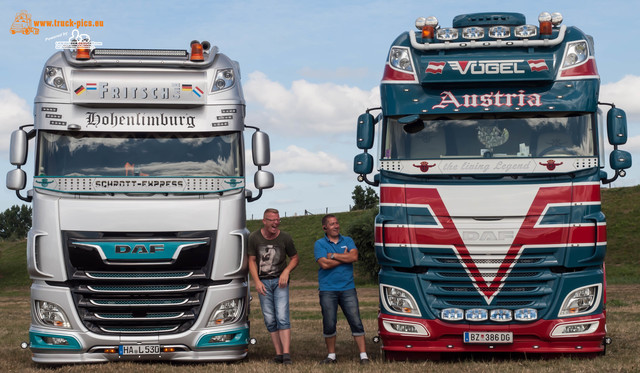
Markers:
point(251, 198)
point(26, 199)
point(363, 177)
point(32, 133)
point(618, 173)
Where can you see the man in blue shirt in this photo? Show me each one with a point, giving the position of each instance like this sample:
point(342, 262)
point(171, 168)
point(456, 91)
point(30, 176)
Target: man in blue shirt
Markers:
point(335, 254)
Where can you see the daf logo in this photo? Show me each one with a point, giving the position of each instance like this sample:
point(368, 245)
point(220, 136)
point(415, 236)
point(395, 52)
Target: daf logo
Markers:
point(488, 236)
point(139, 249)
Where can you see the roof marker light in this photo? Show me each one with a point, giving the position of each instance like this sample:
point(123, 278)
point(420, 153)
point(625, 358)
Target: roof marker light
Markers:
point(83, 51)
point(429, 28)
point(556, 19)
point(197, 54)
point(546, 27)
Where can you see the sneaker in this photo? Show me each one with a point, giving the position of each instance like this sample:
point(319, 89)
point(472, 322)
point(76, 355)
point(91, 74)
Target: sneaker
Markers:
point(286, 359)
point(328, 360)
point(279, 359)
point(364, 361)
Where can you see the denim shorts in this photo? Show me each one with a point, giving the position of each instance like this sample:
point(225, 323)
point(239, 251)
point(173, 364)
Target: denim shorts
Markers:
point(348, 302)
point(275, 305)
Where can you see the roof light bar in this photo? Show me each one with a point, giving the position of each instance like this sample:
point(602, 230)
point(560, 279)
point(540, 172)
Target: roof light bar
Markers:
point(140, 53)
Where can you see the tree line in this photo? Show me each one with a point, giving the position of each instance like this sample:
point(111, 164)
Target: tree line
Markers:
point(15, 222)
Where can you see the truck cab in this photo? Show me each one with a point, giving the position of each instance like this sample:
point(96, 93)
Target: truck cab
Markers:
point(490, 234)
point(138, 244)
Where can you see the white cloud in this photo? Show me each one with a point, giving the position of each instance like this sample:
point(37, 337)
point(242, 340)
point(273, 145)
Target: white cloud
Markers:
point(295, 159)
point(624, 94)
point(306, 108)
point(340, 73)
point(632, 145)
point(14, 112)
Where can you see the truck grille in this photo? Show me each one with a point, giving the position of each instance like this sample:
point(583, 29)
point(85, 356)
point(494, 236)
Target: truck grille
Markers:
point(446, 283)
point(138, 296)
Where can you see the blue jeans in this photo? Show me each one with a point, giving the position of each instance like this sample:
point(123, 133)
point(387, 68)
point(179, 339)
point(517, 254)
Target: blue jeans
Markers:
point(275, 305)
point(348, 301)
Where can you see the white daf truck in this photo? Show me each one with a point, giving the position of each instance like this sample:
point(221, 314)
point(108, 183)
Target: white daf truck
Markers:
point(138, 244)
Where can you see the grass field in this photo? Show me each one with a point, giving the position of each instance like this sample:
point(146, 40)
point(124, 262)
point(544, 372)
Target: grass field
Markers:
point(308, 345)
point(622, 207)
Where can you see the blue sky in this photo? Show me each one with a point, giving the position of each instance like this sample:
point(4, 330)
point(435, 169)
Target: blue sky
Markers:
point(308, 69)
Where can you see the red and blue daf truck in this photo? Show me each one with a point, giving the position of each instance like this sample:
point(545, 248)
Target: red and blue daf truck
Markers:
point(491, 154)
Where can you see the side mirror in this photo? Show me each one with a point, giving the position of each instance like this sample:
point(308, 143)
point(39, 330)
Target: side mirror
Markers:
point(365, 131)
point(260, 148)
point(620, 159)
point(617, 126)
point(19, 148)
point(363, 164)
point(263, 180)
point(16, 179)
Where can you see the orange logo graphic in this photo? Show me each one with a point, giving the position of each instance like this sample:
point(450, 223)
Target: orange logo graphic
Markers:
point(22, 24)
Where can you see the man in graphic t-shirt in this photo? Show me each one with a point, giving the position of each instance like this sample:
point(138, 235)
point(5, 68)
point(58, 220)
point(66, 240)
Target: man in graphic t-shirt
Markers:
point(268, 249)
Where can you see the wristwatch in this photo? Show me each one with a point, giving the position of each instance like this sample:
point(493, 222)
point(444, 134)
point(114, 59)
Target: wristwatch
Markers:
point(332, 255)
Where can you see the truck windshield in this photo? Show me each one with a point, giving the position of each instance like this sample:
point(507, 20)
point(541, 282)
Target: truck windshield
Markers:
point(139, 154)
point(488, 136)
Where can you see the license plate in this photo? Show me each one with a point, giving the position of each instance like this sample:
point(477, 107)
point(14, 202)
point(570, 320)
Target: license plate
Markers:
point(139, 349)
point(488, 337)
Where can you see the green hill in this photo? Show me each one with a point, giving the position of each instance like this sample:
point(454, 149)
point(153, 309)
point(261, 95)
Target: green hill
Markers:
point(621, 206)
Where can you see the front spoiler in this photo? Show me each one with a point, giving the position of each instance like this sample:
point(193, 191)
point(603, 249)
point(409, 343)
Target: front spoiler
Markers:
point(532, 337)
point(89, 348)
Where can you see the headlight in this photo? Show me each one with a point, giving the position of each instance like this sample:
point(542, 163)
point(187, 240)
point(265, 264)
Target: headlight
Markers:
point(476, 314)
point(226, 312)
point(499, 32)
point(452, 314)
point(399, 301)
point(400, 58)
point(526, 314)
point(447, 33)
point(51, 314)
point(525, 31)
point(473, 33)
point(404, 327)
point(575, 54)
point(54, 77)
point(581, 301)
point(500, 315)
point(568, 330)
point(224, 79)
